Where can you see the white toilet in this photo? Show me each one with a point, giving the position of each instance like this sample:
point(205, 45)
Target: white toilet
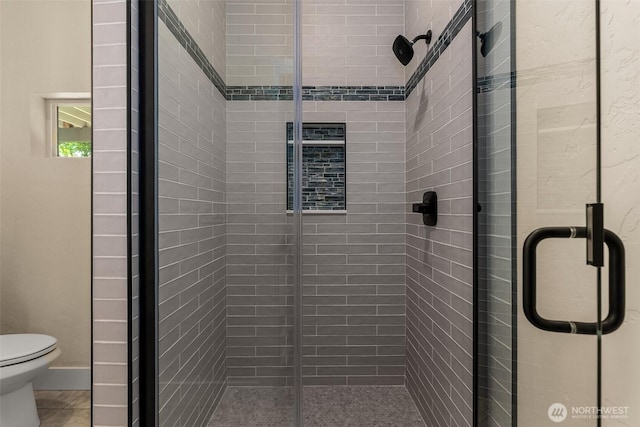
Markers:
point(22, 358)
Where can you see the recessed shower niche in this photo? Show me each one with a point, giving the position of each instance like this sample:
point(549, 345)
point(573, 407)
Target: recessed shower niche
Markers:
point(323, 167)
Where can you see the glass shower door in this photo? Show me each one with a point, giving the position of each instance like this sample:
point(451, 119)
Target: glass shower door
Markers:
point(556, 176)
point(226, 253)
point(551, 141)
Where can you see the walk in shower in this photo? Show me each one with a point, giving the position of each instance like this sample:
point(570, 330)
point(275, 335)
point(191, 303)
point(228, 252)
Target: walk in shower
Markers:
point(292, 273)
point(333, 225)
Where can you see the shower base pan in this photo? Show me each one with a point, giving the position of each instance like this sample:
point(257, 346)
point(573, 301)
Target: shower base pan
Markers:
point(324, 406)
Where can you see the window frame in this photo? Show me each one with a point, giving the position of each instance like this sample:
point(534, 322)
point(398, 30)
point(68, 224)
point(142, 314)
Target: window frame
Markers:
point(51, 108)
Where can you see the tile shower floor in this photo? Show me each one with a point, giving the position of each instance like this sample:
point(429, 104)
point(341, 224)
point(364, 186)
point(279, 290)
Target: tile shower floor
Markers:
point(324, 406)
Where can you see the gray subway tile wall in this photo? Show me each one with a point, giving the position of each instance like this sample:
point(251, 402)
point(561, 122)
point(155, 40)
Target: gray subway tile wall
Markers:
point(459, 19)
point(345, 43)
point(182, 33)
point(354, 278)
point(110, 323)
point(348, 42)
point(206, 24)
point(192, 240)
point(440, 259)
point(259, 259)
point(354, 263)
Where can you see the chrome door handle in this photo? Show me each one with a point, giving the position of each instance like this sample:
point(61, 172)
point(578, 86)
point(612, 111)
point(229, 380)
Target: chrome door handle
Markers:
point(614, 318)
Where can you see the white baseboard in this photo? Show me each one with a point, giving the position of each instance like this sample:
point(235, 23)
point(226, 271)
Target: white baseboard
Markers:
point(64, 379)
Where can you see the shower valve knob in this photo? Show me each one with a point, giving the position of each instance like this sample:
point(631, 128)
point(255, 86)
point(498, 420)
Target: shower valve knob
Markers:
point(422, 208)
point(428, 208)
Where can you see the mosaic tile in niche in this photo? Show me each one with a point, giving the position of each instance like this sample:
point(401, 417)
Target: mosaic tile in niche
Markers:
point(323, 167)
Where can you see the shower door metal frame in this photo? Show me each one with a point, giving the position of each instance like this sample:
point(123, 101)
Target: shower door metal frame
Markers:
point(476, 213)
point(148, 116)
point(614, 243)
point(474, 174)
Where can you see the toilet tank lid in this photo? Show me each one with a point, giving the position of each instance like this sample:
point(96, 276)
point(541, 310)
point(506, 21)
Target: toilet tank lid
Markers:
point(17, 347)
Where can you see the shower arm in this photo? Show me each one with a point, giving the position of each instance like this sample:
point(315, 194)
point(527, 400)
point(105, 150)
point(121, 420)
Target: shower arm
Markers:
point(426, 37)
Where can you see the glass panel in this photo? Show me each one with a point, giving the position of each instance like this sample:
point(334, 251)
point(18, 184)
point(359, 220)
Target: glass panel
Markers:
point(354, 344)
point(496, 274)
point(226, 253)
point(536, 93)
point(555, 177)
point(621, 198)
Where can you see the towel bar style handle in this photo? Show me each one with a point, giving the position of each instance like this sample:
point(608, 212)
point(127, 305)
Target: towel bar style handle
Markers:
point(614, 318)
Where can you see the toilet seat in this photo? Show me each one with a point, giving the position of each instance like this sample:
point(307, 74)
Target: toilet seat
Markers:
point(20, 348)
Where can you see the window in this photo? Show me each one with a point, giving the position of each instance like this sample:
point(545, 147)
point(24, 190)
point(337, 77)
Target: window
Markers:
point(70, 127)
point(323, 167)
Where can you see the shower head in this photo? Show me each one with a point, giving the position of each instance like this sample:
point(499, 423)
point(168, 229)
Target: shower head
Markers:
point(403, 47)
point(489, 38)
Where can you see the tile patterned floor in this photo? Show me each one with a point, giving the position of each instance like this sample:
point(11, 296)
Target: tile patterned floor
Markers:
point(330, 406)
point(64, 408)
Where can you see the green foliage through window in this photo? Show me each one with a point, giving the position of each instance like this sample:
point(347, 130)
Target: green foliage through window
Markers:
point(74, 149)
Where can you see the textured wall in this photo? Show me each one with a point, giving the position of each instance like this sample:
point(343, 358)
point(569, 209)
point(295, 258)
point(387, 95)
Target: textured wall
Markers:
point(192, 235)
point(439, 259)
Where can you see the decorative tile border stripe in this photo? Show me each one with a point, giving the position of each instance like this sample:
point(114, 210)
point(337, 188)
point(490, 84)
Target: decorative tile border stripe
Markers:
point(179, 31)
point(499, 81)
point(320, 131)
point(316, 93)
point(259, 93)
point(460, 18)
point(353, 93)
